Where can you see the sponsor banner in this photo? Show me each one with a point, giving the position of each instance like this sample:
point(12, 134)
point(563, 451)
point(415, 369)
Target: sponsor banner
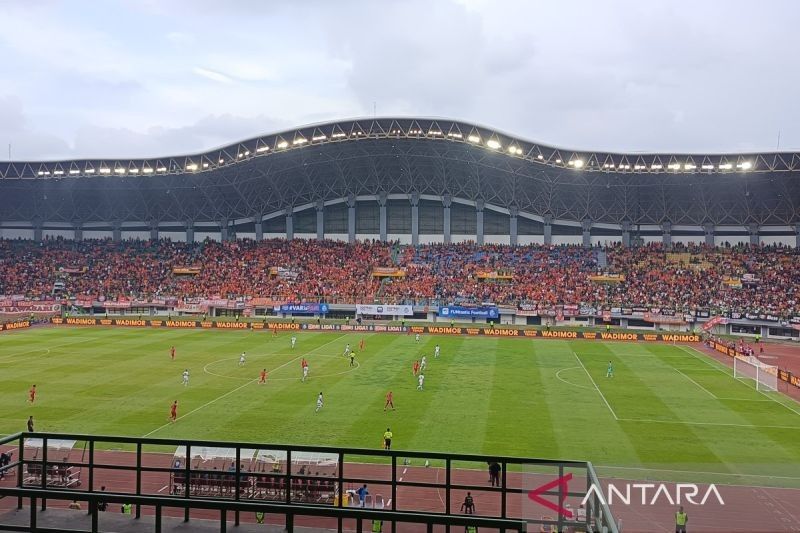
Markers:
point(388, 272)
point(661, 319)
point(456, 311)
point(9, 326)
point(304, 309)
point(384, 310)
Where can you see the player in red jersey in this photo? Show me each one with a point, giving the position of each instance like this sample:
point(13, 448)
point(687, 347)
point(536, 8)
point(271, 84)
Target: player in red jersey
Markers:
point(389, 402)
point(415, 368)
point(303, 363)
point(32, 394)
point(274, 333)
point(361, 345)
point(173, 411)
point(172, 353)
point(262, 378)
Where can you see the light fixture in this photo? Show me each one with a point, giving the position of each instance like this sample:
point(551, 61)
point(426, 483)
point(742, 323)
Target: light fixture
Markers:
point(74, 171)
point(119, 170)
point(221, 161)
point(434, 132)
point(675, 166)
point(474, 139)
point(493, 144)
point(689, 166)
point(147, 170)
point(456, 135)
point(745, 165)
point(656, 166)
point(577, 163)
point(338, 135)
point(540, 156)
point(283, 144)
point(558, 161)
point(58, 172)
point(299, 140)
point(90, 171)
point(105, 170)
point(134, 171)
point(725, 166)
point(191, 166)
point(162, 169)
point(708, 167)
point(318, 138)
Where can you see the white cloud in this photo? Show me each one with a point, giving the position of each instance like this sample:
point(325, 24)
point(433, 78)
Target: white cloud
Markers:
point(212, 75)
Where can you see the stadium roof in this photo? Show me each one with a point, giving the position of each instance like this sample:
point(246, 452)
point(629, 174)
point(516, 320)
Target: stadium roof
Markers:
point(437, 130)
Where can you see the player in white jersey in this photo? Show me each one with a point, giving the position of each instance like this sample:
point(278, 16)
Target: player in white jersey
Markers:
point(423, 363)
point(242, 359)
point(294, 341)
point(436, 351)
point(416, 337)
point(347, 350)
point(305, 373)
point(186, 378)
point(319, 403)
point(420, 380)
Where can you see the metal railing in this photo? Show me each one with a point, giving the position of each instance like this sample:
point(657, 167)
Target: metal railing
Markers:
point(287, 489)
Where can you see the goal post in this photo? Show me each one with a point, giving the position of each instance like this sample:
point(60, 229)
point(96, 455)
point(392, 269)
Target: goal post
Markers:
point(764, 375)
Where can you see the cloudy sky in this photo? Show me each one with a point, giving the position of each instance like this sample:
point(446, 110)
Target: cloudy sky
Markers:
point(131, 78)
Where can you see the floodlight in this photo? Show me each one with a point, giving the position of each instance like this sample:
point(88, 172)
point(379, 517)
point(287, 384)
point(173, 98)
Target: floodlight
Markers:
point(192, 166)
point(283, 144)
point(474, 139)
point(119, 170)
point(493, 144)
point(105, 170)
point(745, 165)
point(689, 166)
point(74, 171)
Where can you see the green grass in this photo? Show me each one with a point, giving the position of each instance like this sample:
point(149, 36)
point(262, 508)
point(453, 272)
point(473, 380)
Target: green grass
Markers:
point(668, 411)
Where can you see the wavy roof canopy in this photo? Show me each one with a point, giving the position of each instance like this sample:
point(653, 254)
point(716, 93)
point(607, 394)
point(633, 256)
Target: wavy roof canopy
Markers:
point(434, 130)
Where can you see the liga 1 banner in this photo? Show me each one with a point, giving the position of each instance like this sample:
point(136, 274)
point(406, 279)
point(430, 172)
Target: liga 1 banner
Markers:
point(384, 310)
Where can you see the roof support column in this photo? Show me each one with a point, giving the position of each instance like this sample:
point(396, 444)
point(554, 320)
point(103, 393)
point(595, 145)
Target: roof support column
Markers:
point(382, 217)
point(666, 234)
point(223, 230)
point(512, 226)
point(708, 228)
point(77, 228)
point(755, 239)
point(320, 207)
point(479, 205)
point(351, 218)
point(37, 230)
point(447, 200)
point(259, 226)
point(117, 230)
point(290, 223)
point(154, 230)
point(797, 235)
point(189, 225)
point(414, 199)
point(626, 233)
point(586, 226)
point(548, 229)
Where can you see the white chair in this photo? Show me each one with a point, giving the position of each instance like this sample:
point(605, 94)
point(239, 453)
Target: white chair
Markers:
point(379, 504)
point(368, 501)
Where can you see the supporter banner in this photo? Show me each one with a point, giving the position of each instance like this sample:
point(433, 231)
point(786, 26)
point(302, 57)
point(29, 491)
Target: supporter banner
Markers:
point(384, 310)
point(709, 325)
point(73, 271)
point(9, 326)
point(495, 275)
point(35, 308)
point(661, 319)
point(283, 273)
point(607, 278)
point(456, 311)
point(307, 309)
point(388, 272)
point(186, 271)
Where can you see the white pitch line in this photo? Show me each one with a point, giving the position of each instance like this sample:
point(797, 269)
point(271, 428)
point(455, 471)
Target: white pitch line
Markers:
point(730, 374)
point(696, 383)
point(723, 424)
point(595, 386)
point(732, 474)
point(405, 470)
point(162, 489)
point(287, 363)
point(558, 376)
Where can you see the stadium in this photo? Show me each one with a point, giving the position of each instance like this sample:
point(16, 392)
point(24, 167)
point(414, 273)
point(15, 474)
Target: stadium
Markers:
point(590, 326)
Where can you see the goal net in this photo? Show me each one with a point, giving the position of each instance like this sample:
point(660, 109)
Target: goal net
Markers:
point(764, 375)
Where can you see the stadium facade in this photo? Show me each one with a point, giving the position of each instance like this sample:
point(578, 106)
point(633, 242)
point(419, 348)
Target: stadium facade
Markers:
point(412, 180)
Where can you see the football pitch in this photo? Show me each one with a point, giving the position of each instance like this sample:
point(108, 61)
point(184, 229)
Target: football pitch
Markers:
point(669, 411)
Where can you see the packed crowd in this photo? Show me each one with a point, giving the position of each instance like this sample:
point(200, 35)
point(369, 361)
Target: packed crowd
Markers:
point(739, 279)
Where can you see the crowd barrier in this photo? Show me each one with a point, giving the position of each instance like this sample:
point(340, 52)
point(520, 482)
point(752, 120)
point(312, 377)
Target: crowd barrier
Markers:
point(783, 375)
point(371, 328)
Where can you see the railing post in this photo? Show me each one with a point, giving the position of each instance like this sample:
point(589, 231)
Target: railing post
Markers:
point(91, 480)
point(340, 491)
point(394, 490)
point(561, 496)
point(288, 499)
point(32, 522)
point(44, 471)
point(447, 480)
point(237, 484)
point(158, 519)
point(187, 479)
point(503, 490)
point(223, 521)
point(93, 510)
point(138, 477)
point(20, 455)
